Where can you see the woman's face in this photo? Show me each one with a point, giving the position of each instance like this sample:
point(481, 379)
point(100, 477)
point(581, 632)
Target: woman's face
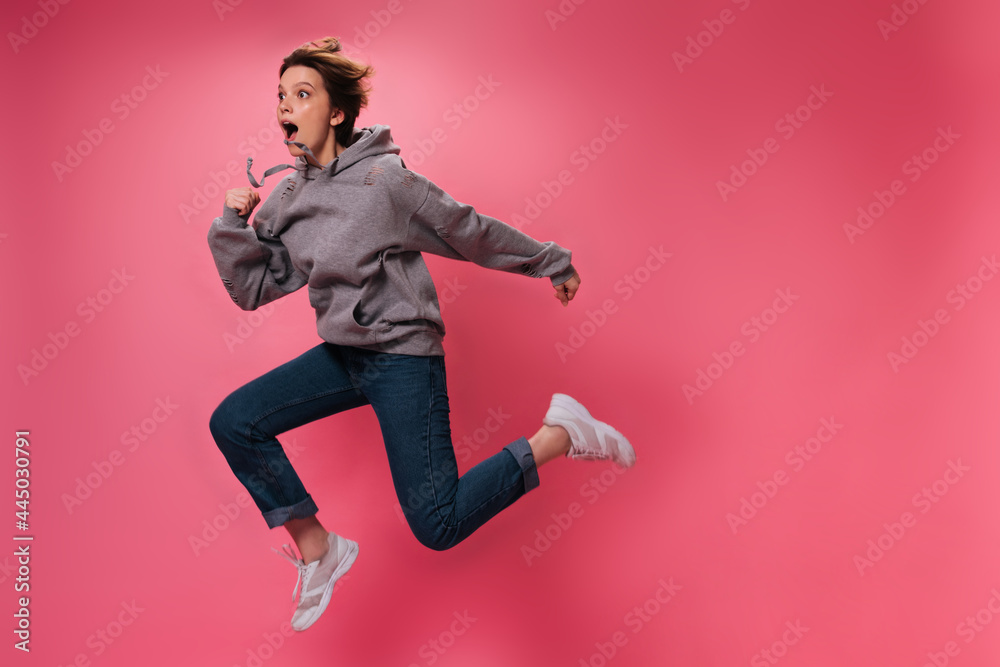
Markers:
point(305, 113)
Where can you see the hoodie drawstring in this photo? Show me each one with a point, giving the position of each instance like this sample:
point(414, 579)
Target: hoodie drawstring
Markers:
point(280, 167)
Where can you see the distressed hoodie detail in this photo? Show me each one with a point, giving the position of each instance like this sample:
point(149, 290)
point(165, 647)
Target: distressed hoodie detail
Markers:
point(353, 231)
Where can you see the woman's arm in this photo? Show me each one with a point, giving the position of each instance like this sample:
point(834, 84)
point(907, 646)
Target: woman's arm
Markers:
point(443, 226)
point(254, 268)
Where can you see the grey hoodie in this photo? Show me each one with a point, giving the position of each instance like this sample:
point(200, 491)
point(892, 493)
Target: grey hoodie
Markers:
point(353, 232)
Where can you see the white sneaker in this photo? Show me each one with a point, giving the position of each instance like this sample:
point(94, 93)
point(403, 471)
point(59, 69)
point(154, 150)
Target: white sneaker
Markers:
point(316, 579)
point(592, 439)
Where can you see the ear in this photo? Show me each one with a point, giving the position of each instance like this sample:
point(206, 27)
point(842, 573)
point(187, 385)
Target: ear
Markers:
point(337, 118)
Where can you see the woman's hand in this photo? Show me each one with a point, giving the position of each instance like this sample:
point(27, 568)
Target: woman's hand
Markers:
point(242, 200)
point(566, 291)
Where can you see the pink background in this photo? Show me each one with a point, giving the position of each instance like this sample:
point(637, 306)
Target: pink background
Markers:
point(140, 202)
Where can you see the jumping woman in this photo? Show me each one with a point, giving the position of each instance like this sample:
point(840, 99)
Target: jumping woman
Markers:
point(351, 223)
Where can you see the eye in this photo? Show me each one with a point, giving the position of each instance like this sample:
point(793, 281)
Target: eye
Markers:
point(303, 92)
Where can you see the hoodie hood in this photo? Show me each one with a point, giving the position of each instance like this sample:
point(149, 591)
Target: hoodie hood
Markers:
point(365, 142)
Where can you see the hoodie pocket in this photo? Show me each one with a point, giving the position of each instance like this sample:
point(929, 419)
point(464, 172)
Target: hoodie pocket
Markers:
point(393, 329)
point(338, 320)
point(319, 299)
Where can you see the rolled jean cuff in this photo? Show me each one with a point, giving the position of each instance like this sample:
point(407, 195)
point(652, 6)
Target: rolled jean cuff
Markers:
point(300, 510)
point(521, 451)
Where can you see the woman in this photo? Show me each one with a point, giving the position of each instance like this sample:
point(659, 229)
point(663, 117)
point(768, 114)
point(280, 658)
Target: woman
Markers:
point(350, 223)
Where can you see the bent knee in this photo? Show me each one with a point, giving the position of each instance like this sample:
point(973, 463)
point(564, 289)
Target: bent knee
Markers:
point(219, 421)
point(436, 541)
point(434, 533)
point(224, 422)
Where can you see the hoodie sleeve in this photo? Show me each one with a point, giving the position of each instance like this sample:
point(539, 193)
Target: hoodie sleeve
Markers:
point(254, 268)
point(443, 226)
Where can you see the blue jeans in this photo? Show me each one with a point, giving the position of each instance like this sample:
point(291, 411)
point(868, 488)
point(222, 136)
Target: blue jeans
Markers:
point(410, 399)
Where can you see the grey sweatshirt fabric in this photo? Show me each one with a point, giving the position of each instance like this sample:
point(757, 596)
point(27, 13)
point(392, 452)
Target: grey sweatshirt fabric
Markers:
point(353, 231)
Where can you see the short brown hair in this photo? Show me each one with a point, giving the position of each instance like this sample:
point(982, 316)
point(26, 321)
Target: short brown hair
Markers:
point(343, 78)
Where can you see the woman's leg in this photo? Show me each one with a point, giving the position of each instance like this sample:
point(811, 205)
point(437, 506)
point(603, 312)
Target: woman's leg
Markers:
point(314, 385)
point(409, 396)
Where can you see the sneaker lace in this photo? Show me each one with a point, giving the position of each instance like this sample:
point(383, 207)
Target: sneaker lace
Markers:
point(596, 450)
point(290, 556)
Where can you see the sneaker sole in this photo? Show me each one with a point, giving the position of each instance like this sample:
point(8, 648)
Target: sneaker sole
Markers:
point(623, 454)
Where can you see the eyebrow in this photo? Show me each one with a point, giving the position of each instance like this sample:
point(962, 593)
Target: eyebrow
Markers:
point(299, 83)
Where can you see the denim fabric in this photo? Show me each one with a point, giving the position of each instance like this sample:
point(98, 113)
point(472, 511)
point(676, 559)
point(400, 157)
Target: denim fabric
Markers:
point(409, 396)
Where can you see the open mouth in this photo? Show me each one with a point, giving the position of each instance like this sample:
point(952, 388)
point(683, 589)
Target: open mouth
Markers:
point(291, 129)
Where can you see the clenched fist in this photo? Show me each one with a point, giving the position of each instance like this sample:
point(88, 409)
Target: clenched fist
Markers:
point(567, 290)
point(242, 200)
